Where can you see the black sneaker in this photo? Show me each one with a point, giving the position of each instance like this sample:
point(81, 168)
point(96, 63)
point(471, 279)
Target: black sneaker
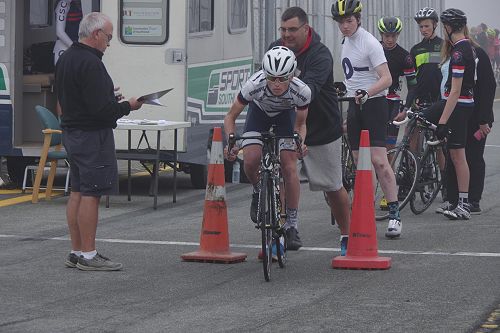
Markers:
point(293, 241)
point(254, 206)
point(98, 263)
point(474, 208)
point(71, 260)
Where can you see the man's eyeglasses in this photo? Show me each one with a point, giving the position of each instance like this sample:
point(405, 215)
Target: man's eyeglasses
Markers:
point(290, 30)
point(279, 78)
point(109, 37)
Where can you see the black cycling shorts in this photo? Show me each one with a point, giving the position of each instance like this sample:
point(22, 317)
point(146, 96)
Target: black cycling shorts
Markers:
point(371, 116)
point(92, 157)
point(457, 122)
point(392, 130)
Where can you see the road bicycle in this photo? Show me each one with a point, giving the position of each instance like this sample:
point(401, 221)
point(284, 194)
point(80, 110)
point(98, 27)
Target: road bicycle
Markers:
point(428, 176)
point(270, 212)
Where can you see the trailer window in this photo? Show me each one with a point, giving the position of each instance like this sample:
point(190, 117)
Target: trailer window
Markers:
point(238, 16)
point(39, 13)
point(144, 22)
point(201, 15)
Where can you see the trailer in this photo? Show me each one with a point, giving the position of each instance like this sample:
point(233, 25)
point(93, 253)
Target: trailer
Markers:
point(203, 49)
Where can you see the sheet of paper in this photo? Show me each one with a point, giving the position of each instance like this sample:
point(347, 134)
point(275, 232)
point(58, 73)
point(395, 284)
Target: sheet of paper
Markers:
point(154, 98)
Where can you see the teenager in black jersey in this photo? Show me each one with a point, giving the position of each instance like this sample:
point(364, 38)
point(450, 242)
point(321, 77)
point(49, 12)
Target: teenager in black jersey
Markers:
point(426, 56)
point(400, 64)
point(459, 105)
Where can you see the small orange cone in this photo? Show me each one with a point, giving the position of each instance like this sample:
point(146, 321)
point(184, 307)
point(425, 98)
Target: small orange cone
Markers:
point(362, 248)
point(214, 238)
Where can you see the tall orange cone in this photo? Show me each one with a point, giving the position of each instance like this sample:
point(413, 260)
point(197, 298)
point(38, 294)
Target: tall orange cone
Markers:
point(214, 238)
point(362, 248)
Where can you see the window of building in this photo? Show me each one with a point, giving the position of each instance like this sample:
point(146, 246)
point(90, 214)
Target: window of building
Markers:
point(237, 16)
point(144, 22)
point(201, 15)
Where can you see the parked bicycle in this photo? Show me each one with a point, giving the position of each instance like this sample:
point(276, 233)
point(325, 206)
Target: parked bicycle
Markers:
point(428, 175)
point(270, 211)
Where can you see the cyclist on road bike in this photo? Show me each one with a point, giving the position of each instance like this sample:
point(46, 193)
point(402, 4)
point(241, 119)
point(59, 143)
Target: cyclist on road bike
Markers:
point(367, 76)
point(322, 166)
point(459, 105)
point(400, 64)
point(274, 97)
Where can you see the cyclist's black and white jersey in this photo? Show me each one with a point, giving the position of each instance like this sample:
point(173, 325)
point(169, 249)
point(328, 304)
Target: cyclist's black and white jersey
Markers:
point(462, 65)
point(297, 96)
point(361, 54)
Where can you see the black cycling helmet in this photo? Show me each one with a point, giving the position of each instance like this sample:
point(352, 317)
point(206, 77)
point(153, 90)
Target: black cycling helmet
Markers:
point(426, 13)
point(390, 25)
point(343, 8)
point(455, 18)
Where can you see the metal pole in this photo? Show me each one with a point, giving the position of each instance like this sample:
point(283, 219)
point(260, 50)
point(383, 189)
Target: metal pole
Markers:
point(270, 24)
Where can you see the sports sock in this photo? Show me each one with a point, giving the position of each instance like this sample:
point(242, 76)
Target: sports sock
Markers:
point(463, 199)
point(77, 253)
point(89, 255)
point(394, 210)
point(291, 218)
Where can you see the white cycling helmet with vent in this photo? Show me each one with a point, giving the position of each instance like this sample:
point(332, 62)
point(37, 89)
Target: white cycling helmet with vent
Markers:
point(279, 61)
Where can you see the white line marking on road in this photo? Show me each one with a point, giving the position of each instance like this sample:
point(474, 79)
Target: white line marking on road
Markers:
point(319, 249)
point(492, 146)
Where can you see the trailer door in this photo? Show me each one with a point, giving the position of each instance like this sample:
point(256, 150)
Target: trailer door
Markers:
point(147, 54)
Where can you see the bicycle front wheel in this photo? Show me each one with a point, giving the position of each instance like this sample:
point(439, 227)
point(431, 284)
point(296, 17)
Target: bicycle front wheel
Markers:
point(405, 167)
point(428, 183)
point(264, 218)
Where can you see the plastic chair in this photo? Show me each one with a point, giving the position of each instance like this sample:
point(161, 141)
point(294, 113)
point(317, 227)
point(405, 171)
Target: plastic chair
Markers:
point(51, 151)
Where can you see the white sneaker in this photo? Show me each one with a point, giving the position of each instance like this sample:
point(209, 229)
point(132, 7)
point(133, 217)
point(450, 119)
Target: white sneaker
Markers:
point(394, 228)
point(459, 213)
point(444, 207)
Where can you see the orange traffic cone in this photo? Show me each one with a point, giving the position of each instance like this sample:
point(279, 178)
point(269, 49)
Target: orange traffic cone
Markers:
point(362, 249)
point(214, 238)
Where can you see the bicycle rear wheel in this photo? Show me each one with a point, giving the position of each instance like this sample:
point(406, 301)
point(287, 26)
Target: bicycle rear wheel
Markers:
point(264, 216)
point(428, 183)
point(405, 167)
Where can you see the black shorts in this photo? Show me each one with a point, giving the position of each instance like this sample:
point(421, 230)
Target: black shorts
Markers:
point(372, 116)
point(457, 123)
point(94, 170)
point(392, 130)
point(258, 121)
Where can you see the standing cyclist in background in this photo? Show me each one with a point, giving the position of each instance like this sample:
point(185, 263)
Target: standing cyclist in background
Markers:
point(275, 97)
point(459, 104)
point(322, 165)
point(367, 76)
point(427, 58)
point(400, 64)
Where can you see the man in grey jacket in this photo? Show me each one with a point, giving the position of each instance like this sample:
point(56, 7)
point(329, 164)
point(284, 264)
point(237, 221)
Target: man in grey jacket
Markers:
point(322, 165)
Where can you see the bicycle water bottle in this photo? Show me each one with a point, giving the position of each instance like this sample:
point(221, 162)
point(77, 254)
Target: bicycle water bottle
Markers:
point(236, 172)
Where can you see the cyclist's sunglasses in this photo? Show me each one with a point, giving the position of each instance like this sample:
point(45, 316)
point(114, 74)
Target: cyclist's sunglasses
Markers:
point(279, 78)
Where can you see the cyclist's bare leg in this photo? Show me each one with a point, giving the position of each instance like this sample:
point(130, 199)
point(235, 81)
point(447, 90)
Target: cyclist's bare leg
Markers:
point(461, 168)
point(339, 206)
point(289, 169)
point(383, 171)
point(252, 155)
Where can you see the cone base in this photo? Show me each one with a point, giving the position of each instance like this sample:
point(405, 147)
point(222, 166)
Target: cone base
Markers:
point(349, 262)
point(212, 257)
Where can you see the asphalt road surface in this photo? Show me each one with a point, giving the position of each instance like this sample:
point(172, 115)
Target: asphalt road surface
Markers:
point(445, 275)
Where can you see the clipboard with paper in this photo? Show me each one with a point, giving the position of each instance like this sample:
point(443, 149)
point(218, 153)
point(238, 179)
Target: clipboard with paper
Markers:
point(154, 98)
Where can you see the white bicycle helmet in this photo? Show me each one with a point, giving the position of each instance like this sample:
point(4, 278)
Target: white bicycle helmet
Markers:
point(279, 61)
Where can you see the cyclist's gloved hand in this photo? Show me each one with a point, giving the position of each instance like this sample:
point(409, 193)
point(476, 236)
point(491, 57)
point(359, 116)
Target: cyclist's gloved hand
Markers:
point(231, 151)
point(340, 88)
point(361, 96)
point(442, 131)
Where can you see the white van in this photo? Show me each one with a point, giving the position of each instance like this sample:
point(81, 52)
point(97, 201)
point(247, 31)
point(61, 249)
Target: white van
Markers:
point(200, 48)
